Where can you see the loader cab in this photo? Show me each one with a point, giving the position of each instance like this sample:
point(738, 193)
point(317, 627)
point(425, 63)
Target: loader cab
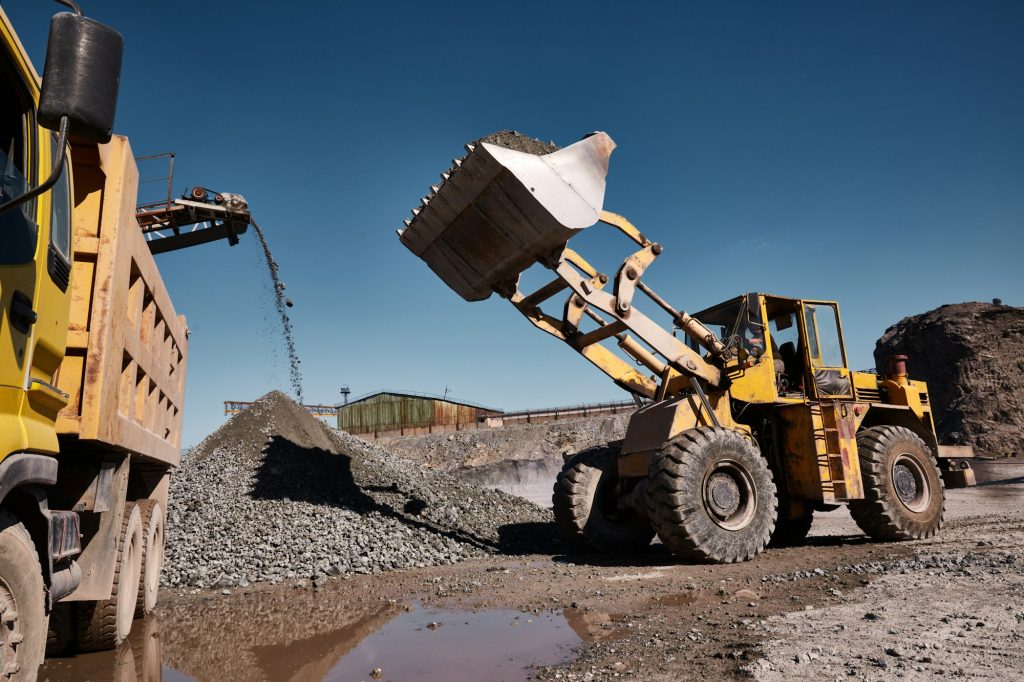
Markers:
point(787, 350)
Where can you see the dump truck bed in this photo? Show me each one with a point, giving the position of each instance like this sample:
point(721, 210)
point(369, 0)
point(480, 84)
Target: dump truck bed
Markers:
point(124, 370)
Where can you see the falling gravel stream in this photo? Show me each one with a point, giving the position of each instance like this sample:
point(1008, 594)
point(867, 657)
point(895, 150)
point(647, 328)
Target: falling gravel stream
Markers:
point(281, 303)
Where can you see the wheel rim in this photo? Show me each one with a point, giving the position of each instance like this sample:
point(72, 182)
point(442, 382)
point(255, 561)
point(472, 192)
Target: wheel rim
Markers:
point(10, 627)
point(730, 498)
point(131, 571)
point(911, 483)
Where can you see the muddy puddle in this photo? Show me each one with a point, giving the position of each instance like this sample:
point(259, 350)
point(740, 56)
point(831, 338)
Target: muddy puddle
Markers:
point(394, 642)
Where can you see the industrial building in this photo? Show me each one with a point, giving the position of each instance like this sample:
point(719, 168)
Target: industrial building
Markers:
point(405, 413)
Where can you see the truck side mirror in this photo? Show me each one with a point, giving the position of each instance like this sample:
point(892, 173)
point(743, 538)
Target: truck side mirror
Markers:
point(81, 77)
point(80, 82)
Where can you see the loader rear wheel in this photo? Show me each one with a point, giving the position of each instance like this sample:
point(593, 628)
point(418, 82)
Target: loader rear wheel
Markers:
point(23, 619)
point(585, 501)
point(711, 496)
point(903, 490)
point(793, 524)
point(105, 624)
point(152, 556)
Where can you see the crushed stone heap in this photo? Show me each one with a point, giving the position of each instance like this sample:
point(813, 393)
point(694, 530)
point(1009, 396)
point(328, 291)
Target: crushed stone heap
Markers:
point(276, 494)
point(972, 356)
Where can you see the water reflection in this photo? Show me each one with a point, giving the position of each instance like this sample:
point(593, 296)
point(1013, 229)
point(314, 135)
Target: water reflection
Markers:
point(300, 635)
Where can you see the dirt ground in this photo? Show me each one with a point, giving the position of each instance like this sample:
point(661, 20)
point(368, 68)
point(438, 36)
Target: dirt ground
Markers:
point(839, 608)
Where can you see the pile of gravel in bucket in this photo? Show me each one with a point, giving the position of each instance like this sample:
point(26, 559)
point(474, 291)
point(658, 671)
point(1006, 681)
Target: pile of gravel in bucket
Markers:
point(276, 494)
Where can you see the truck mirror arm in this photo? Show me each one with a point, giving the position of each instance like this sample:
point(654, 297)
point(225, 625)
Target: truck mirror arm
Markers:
point(58, 168)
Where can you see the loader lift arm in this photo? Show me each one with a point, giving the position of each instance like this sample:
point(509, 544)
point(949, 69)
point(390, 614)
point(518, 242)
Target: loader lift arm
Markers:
point(499, 211)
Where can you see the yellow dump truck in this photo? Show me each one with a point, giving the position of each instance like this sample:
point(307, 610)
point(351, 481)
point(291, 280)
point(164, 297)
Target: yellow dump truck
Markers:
point(750, 419)
point(92, 358)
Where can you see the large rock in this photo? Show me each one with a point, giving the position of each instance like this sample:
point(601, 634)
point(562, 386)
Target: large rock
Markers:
point(972, 356)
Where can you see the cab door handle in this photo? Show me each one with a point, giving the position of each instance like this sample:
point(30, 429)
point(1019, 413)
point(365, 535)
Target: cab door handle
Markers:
point(22, 315)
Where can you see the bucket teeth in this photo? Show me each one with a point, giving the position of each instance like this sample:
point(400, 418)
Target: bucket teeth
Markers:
point(445, 176)
point(400, 231)
point(470, 148)
point(433, 189)
point(407, 222)
point(415, 212)
point(457, 163)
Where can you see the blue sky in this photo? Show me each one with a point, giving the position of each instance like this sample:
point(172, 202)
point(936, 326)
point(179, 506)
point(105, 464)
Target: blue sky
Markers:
point(870, 152)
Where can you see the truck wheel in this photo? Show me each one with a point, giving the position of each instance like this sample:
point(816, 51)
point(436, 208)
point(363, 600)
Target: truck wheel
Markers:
point(711, 496)
point(903, 490)
point(585, 502)
point(60, 634)
point(105, 624)
point(793, 524)
point(23, 621)
point(152, 556)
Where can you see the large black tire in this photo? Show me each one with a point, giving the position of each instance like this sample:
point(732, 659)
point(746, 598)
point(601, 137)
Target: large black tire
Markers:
point(152, 556)
point(585, 505)
point(60, 635)
point(904, 496)
point(793, 524)
point(105, 624)
point(711, 496)
point(23, 621)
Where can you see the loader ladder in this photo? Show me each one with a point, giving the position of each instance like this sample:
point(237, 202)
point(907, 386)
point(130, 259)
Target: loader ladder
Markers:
point(835, 441)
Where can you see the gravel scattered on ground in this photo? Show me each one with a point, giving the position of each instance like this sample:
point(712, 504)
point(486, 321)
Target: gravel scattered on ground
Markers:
point(275, 494)
point(972, 356)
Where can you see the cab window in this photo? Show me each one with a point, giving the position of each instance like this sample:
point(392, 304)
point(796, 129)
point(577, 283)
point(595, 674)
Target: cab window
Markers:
point(826, 349)
point(60, 208)
point(18, 230)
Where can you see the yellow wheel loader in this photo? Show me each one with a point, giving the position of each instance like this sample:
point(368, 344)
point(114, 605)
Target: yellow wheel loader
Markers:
point(749, 417)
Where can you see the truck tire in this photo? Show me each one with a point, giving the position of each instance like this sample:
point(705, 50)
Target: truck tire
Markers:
point(711, 496)
point(24, 624)
point(903, 490)
point(152, 556)
point(792, 525)
point(585, 502)
point(105, 624)
point(60, 633)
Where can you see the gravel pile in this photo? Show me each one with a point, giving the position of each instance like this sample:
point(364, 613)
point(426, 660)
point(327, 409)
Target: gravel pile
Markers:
point(276, 494)
point(972, 356)
point(521, 460)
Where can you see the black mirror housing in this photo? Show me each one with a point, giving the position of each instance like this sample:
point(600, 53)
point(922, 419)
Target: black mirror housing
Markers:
point(81, 77)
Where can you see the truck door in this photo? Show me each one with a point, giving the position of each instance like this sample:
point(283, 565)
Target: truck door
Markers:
point(826, 357)
point(18, 235)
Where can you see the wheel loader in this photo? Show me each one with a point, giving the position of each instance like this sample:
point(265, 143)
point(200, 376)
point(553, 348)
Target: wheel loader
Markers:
point(749, 418)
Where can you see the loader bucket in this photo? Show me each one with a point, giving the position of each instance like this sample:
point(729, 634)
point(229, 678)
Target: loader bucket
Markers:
point(498, 210)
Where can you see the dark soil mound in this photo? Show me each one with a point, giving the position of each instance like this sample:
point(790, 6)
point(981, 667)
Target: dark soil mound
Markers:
point(972, 356)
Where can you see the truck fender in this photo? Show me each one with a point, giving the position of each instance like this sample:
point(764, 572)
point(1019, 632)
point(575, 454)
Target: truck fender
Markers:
point(26, 468)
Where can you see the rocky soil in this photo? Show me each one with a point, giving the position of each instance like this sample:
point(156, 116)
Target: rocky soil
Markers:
point(972, 356)
point(522, 460)
point(275, 494)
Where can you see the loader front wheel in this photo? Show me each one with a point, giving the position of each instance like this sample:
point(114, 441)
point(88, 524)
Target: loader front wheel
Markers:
point(903, 490)
point(586, 505)
point(711, 496)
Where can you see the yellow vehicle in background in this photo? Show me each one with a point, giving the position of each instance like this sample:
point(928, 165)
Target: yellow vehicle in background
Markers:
point(749, 417)
point(92, 358)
